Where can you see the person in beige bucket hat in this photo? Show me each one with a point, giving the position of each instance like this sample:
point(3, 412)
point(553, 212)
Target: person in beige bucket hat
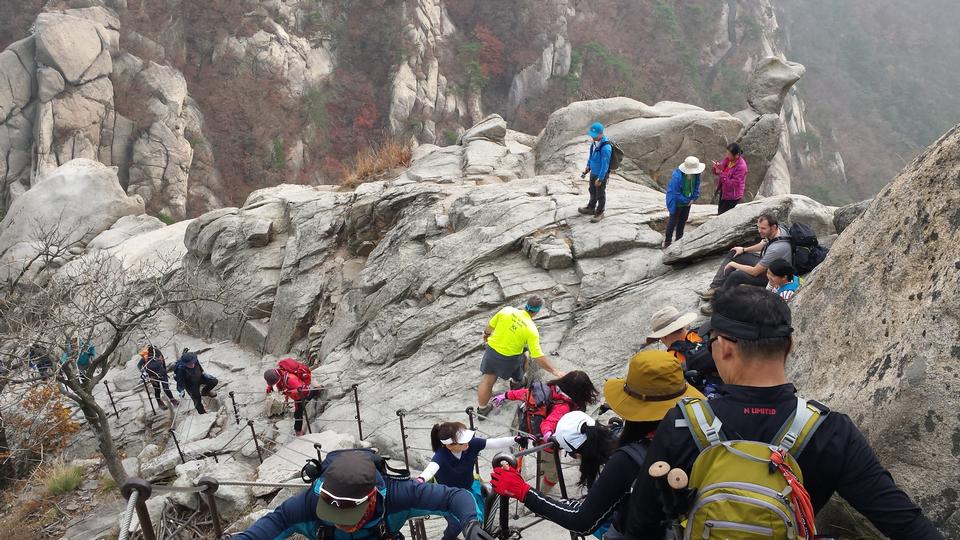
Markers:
point(669, 325)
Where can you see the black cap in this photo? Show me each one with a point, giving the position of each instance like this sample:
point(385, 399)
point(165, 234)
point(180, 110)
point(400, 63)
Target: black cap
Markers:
point(351, 476)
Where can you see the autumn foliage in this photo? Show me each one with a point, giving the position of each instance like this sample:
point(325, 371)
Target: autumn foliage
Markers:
point(43, 423)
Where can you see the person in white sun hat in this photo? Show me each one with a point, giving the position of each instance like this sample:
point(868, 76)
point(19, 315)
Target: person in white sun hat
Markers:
point(653, 386)
point(683, 189)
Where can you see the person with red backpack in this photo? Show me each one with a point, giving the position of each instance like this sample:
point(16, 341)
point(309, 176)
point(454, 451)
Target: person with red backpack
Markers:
point(294, 380)
point(544, 404)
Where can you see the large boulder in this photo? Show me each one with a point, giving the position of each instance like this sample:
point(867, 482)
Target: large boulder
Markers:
point(845, 215)
point(878, 327)
point(772, 78)
point(654, 140)
point(738, 227)
point(492, 128)
point(70, 44)
point(79, 200)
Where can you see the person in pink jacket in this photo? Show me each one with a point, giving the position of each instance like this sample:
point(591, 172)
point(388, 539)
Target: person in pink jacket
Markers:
point(731, 176)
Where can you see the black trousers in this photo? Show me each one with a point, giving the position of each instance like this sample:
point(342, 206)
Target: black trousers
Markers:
point(598, 195)
point(678, 221)
point(157, 383)
point(196, 392)
point(726, 205)
point(724, 279)
point(298, 406)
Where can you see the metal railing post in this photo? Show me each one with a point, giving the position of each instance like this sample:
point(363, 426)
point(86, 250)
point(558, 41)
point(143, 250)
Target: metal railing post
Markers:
point(306, 417)
point(560, 481)
point(403, 438)
point(356, 401)
point(498, 461)
point(173, 433)
point(209, 494)
point(236, 413)
point(255, 441)
point(110, 395)
point(471, 412)
point(143, 491)
point(149, 397)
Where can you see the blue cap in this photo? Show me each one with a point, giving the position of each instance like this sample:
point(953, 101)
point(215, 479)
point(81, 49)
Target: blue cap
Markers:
point(596, 129)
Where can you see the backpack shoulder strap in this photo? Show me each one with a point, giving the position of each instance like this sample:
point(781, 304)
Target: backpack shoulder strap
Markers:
point(636, 452)
point(700, 419)
point(798, 429)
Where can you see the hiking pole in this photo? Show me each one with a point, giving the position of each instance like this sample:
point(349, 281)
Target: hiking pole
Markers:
point(255, 441)
point(356, 401)
point(470, 416)
point(678, 480)
point(236, 413)
point(110, 395)
point(668, 498)
point(403, 437)
point(500, 460)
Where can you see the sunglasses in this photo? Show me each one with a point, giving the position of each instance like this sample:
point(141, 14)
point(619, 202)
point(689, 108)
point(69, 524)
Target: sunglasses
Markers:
point(344, 502)
point(714, 338)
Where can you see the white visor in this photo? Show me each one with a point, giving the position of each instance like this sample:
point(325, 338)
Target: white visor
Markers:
point(463, 437)
point(569, 435)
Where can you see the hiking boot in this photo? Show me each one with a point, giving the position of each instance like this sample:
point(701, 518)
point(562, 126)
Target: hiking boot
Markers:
point(485, 410)
point(299, 433)
point(586, 210)
point(176, 402)
point(210, 393)
point(163, 406)
point(664, 245)
point(596, 218)
point(706, 309)
point(708, 294)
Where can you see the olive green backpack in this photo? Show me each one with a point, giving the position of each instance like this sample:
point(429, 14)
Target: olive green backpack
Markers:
point(748, 489)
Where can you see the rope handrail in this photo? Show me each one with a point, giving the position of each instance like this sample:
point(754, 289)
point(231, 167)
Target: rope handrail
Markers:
point(178, 489)
point(128, 515)
point(262, 484)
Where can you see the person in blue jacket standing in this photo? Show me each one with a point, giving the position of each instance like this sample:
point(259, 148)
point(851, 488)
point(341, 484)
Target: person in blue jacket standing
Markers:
point(353, 500)
point(683, 189)
point(598, 165)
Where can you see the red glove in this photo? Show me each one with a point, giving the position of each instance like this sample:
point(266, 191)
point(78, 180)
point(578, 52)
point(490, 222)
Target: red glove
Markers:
point(509, 482)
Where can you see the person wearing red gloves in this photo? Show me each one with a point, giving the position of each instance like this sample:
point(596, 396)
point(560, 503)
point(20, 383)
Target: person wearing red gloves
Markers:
point(293, 379)
point(654, 384)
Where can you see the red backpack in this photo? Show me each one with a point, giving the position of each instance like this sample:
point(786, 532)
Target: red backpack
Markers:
point(536, 407)
point(297, 369)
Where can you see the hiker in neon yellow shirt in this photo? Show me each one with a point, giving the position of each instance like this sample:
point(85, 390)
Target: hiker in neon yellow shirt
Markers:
point(508, 333)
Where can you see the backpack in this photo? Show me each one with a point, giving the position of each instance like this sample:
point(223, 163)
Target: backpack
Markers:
point(807, 251)
point(297, 369)
point(748, 488)
point(616, 155)
point(536, 407)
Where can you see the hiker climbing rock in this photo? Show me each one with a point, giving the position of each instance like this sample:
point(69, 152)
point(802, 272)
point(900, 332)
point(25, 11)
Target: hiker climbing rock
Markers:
point(543, 406)
point(782, 279)
point(192, 379)
point(153, 368)
point(609, 463)
point(507, 334)
point(39, 358)
point(731, 176)
point(293, 379)
point(599, 163)
point(683, 189)
point(455, 453)
point(355, 497)
point(748, 265)
point(672, 329)
point(751, 336)
point(82, 352)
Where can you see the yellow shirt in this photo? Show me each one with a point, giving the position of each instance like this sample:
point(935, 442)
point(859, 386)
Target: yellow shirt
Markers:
point(512, 330)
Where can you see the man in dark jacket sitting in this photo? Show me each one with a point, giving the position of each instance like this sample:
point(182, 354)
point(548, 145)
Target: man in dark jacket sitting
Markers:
point(191, 378)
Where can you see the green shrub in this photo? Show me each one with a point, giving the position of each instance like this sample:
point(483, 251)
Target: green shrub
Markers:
point(167, 220)
point(63, 479)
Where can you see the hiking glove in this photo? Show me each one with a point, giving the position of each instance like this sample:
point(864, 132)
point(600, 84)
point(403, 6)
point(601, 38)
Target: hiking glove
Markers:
point(474, 531)
point(547, 435)
point(499, 399)
point(509, 483)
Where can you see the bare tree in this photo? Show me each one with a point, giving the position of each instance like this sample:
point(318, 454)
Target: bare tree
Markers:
point(98, 299)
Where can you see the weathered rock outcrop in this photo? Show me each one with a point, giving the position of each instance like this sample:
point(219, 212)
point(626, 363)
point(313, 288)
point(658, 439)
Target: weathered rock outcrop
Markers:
point(655, 139)
point(846, 215)
point(75, 203)
point(878, 327)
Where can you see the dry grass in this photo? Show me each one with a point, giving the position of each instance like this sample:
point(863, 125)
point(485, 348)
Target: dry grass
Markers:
point(373, 161)
point(61, 478)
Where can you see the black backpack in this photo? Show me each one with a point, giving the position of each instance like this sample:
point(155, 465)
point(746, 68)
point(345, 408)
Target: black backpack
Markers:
point(616, 155)
point(807, 251)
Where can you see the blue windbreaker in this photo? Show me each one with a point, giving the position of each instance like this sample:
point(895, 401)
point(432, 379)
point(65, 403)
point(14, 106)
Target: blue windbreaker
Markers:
point(675, 198)
point(599, 162)
point(399, 501)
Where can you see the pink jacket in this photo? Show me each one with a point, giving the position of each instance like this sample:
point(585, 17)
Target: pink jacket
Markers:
point(732, 181)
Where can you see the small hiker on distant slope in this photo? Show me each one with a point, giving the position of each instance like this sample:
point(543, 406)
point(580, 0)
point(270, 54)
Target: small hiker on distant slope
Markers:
point(598, 165)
